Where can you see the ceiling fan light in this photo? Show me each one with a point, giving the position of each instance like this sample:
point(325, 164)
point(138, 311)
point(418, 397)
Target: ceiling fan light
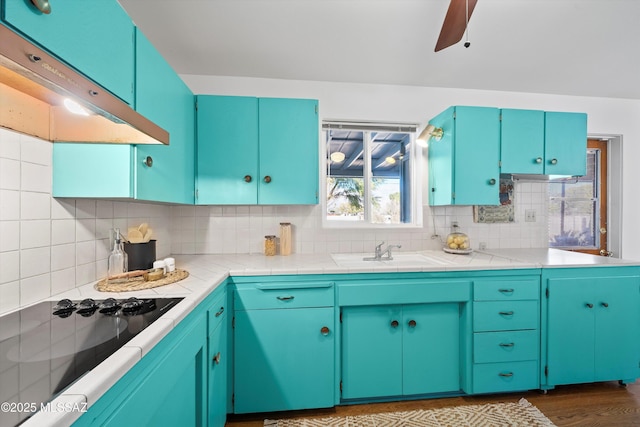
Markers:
point(337, 156)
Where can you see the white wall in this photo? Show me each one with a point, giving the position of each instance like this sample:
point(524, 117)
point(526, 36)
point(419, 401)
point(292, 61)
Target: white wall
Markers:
point(49, 245)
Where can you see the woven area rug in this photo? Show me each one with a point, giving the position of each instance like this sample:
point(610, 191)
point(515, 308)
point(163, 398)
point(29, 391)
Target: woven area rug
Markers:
point(520, 413)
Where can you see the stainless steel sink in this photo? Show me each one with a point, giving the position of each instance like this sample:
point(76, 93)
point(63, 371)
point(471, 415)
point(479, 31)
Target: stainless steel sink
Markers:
point(399, 259)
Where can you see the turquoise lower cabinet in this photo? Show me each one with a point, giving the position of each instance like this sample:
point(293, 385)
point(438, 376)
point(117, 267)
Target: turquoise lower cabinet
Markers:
point(400, 350)
point(284, 344)
point(96, 38)
point(166, 388)
point(506, 334)
point(464, 164)
point(217, 361)
point(593, 325)
point(257, 150)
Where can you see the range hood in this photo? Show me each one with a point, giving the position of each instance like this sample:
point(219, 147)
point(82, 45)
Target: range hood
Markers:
point(33, 89)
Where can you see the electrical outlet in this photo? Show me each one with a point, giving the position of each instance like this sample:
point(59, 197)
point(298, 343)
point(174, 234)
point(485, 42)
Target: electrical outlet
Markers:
point(482, 245)
point(530, 215)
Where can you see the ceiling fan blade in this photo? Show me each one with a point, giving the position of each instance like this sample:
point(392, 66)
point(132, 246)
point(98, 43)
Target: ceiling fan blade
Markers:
point(454, 23)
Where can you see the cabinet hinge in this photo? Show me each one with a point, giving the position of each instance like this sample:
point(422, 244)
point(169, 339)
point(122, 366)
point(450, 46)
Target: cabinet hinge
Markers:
point(233, 399)
point(547, 293)
point(340, 317)
point(500, 117)
point(233, 322)
point(197, 194)
point(546, 371)
point(453, 195)
point(499, 163)
point(196, 105)
point(340, 387)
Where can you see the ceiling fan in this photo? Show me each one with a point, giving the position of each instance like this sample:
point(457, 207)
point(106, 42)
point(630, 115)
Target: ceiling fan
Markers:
point(456, 22)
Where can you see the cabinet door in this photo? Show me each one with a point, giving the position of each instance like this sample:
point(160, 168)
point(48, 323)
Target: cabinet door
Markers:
point(477, 155)
point(95, 37)
point(571, 331)
point(173, 393)
point(441, 161)
point(162, 97)
point(522, 141)
point(217, 397)
point(227, 140)
point(431, 348)
point(283, 360)
point(565, 148)
point(371, 351)
point(288, 133)
point(617, 343)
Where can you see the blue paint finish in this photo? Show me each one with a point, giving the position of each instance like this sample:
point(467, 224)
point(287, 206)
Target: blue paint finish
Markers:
point(96, 38)
point(566, 142)
point(522, 141)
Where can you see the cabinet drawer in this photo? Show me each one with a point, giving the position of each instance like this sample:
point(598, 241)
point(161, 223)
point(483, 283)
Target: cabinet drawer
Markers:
point(498, 290)
point(216, 312)
point(505, 346)
point(270, 295)
point(510, 376)
point(505, 315)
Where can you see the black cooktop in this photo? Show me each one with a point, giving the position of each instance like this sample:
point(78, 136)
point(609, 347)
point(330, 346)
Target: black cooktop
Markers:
point(46, 347)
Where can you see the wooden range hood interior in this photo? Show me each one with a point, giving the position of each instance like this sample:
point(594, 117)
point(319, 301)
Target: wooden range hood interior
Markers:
point(33, 86)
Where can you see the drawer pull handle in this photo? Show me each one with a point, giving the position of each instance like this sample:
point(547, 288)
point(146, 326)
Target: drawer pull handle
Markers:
point(412, 323)
point(216, 358)
point(289, 298)
point(506, 313)
point(506, 374)
point(219, 313)
point(394, 323)
point(506, 291)
point(605, 304)
point(325, 331)
point(506, 344)
point(589, 305)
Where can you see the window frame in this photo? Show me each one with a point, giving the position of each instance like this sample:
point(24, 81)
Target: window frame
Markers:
point(416, 165)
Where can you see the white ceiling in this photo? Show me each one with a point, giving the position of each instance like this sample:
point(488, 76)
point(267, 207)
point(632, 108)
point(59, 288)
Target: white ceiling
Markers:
point(572, 47)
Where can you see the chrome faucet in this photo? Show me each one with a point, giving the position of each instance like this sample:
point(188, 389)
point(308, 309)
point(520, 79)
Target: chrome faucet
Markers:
point(379, 253)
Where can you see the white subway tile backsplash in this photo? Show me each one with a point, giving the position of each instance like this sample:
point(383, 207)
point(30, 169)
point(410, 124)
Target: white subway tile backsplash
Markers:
point(9, 266)
point(85, 252)
point(85, 229)
point(10, 145)
point(9, 236)
point(33, 150)
point(9, 205)
point(63, 209)
point(35, 205)
point(63, 257)
point(85, 208)
point(9, 296)
point(34, 177)
point(63, 231)
point(9, 174)
point(34, 289)
point(35, 233)
point(34, 262)
point(85, 273)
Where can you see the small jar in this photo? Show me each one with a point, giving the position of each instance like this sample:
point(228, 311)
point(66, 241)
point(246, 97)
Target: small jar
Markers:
point(285, 238)
point(269, 245)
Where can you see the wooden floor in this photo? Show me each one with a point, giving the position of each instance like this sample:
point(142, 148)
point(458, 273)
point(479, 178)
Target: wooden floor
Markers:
point(602, 404)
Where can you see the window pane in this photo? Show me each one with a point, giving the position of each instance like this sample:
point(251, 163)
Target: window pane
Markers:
point(390, 189)
point(345, 182)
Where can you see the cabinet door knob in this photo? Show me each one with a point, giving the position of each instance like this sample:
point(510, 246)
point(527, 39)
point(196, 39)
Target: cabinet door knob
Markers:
point(589, 305)
point(605, 304)
point(288, 298)
point(412, 323)
point(216, 358)
point(553, 161)
point(492, 181)
point(506, 313)
point(539, 160)
point(394, 323)
point(506, 374)
point(325, 331)
point(42, 5)
point(219, 313)
point(267, 179)
point(247, 178)
point(148, 161)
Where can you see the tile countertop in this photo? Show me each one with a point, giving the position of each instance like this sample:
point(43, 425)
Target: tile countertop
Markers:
point(207, 272)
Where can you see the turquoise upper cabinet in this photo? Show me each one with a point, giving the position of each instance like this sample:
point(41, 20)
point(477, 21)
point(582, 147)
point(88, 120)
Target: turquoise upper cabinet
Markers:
point(565, 148)
point(593, 325)
point(522, 141)
point(288, 131)
point(544, 143)
point(464, 164)
point(95, 37)
point(257, 150)
point(162, 97)
point(156, 173)
point(227, 165)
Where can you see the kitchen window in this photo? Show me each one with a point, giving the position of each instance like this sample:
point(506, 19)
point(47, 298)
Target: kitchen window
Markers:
point(370, 175)
point(577, 206)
